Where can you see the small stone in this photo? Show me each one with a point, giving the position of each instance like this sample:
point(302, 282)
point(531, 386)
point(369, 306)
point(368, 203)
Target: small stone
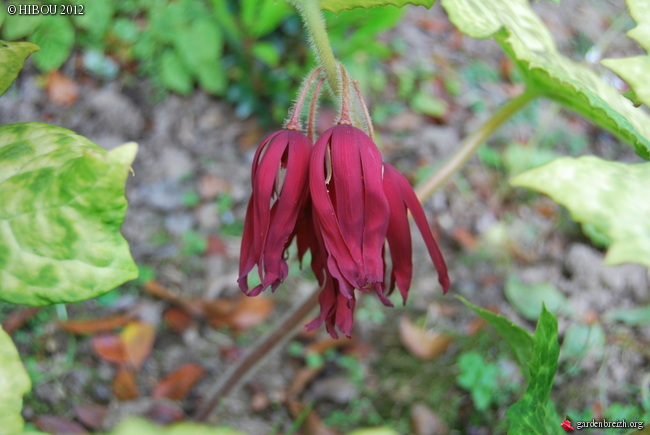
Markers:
point(337, 389)
point(179, 223)
point(175, 163)
point(207, 217)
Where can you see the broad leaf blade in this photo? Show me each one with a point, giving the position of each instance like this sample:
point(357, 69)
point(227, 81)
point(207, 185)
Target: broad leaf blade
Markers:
point(342, 5)
point(519, 340)
point(533, 413)
point(14, 382)
point(12, 58)
point(529, 43)
point(61, 207)
point(635, 70)
point(610, 196)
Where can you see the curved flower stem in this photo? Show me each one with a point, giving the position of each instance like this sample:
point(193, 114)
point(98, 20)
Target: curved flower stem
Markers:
point(294, 121)
point(251, 361)
point(345, 97)
point(311, 126)
point(364, 108)
point(471, 144)
point(313, 19)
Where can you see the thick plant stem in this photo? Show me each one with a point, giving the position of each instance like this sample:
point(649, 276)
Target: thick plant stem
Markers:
point(245, 367)
point(471, 144)
point(313, 19)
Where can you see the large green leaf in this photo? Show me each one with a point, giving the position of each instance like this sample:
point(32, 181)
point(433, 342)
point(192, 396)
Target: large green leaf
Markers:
point(12, 58)
point(61, 207)
point(55, 36)
point(529, 43)
point(138, 426)
point(519, 340)
point(612, 197)
point(533, 412)
point(341, 5)
point(635, 70)
point(14, 382)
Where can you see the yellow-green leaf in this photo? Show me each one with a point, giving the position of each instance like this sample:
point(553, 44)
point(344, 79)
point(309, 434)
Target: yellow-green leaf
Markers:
point(529, 43)
point(61, 207)
point(138, 426)
point(610, 196)
point(14, 383)
point(12, 58)
point(635, 70)
point(342, 5)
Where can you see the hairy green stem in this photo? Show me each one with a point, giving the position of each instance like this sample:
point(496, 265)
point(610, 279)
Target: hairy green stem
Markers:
point(471, 144)
point(313, 19)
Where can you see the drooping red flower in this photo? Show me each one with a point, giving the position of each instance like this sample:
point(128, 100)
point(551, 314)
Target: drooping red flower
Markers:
point(280, 189)
point(359, 203)
point(350, 206)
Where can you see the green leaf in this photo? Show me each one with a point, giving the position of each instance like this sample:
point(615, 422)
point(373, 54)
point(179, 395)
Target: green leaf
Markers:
point(14, 383)
point(630, 316)
point(527, 299)
point(261, 17)
point(138, 426)
point(267, 53)
point(174, 74)
point(199, 42)
point(611, 196)
point(55, 36)
point(341, 5)
point(479, 377)
point(529, 43)
point(428, 104)
point(532, 413)
point(12, 58)
point(20, 25)
point(635, 70)
point(96, 18)
point(61, 207)
point(519, 340)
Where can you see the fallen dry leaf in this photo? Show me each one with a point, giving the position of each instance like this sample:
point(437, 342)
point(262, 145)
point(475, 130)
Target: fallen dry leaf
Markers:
point(138, 338)
point(109, 347)
point(193, 307)
point(241, 314)
point(61, 89)
point(18, 318)
point(177, 319)
point(421, 343)
point(176, 385)
point(94, 326)
point(124, 385)
point(300, 381)
point(58, 425)
point(426, 422)
point(91, 415)
point(464, 238)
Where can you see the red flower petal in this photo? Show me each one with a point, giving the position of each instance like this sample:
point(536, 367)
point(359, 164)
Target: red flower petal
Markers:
point(376, 210)
point(420, 219)
point(398, 234)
